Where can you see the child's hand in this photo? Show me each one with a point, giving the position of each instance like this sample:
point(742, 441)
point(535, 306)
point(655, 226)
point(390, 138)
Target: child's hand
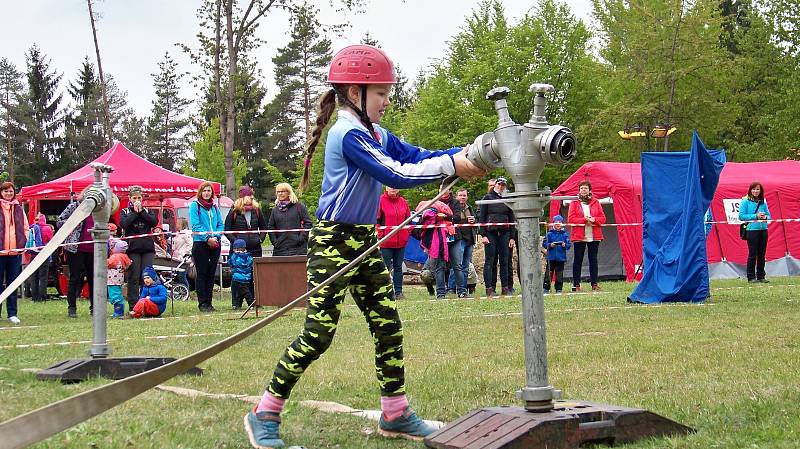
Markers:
point(464, 168)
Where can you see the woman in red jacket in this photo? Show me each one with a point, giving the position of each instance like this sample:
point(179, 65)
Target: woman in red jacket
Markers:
point(392, 211)
point(585, 217)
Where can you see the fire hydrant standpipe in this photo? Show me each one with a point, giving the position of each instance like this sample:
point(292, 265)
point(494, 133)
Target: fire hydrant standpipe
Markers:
point(545, 421)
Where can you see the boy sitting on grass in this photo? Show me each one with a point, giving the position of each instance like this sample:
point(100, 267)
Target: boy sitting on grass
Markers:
point(153, 297)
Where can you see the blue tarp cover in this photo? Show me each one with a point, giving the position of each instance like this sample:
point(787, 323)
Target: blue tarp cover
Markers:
point(677, 189)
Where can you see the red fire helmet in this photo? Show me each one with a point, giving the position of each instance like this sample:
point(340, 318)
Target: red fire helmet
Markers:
point(361, 64)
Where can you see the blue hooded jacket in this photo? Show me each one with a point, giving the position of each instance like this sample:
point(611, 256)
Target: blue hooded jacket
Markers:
point(241, 265)
point(559, 252)
point(157, 292)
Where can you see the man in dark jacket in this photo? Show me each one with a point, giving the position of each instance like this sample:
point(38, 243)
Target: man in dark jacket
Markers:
point(136, 220)
point(497, 240)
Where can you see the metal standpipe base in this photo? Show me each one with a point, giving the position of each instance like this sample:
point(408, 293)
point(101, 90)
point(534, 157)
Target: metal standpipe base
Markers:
point(77, 370)
point(570, 424)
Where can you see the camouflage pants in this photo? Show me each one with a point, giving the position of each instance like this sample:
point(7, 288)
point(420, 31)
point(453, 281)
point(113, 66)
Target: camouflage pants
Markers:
point(331, 246)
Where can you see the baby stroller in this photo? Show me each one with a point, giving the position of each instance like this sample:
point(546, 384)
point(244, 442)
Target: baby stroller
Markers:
point(170, 279)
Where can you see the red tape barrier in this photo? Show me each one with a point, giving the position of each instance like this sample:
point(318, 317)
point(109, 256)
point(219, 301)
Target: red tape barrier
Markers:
point(462, 225)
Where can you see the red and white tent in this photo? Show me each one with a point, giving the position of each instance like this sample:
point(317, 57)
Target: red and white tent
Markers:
point(129, 169)
point(621, 184)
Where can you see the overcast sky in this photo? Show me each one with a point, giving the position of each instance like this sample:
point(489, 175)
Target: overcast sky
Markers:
point(134, 35)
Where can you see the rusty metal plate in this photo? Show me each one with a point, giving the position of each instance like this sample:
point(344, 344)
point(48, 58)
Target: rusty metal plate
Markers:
point(569, 425)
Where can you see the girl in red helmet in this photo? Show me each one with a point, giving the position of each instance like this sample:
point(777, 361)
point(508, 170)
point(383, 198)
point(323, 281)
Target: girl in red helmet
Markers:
point(360, 157)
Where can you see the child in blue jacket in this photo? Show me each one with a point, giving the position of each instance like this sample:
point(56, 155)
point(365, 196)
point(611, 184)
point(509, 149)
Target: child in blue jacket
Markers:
point(241, 263)
point(556, 242)
point(153, 297)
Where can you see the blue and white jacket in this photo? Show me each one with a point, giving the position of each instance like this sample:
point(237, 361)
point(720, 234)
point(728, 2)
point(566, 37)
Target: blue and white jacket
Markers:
point(357, 165)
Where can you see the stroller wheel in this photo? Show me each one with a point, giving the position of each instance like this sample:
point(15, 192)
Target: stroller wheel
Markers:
point(180, 292)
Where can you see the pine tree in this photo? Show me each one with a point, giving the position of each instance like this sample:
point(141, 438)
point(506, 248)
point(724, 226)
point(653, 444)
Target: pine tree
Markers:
point(83, 124)
point(300, 74)
point(42, 120)
point(10, 95)
point(167, 123)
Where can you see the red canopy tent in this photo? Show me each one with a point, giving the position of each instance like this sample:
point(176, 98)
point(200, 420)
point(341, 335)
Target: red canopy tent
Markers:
point(727, 253)
point(129, 169)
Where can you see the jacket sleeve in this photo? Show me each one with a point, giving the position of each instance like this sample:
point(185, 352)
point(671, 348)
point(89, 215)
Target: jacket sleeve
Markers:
point(64, 216)
point(482, 217)
point(567, 241)
point(575, 215)
point(512, 219)
point(381, 221)
point(386, 166)
point(411, 154)
point(546, 240)
point(599, 219)
point(271, 225)
point(262, 224)
point(219, 225)
point(745, 213)
point(766, 211)
point(305, 217)
point(149, 217)
point(229, 226)
point(160, 295)
point(194, 219)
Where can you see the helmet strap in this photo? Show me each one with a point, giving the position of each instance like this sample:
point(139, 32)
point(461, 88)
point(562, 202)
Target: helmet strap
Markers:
point(361, 112)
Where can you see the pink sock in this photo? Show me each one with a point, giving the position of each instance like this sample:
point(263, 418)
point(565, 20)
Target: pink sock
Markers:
point(270, 403)
point(393, 406)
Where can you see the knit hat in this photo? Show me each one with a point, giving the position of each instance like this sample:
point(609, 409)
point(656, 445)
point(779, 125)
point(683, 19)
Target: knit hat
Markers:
point(119, 246)
point(239, 243)
point(150, 273)
point(135, 190)
point(245, 190)
point(501, 180)
point(558, 219)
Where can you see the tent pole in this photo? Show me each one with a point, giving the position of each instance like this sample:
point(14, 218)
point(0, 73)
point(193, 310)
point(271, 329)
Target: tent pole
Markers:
point(783, 224)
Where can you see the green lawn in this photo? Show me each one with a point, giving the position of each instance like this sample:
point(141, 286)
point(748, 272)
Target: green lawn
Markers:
point(728, 368)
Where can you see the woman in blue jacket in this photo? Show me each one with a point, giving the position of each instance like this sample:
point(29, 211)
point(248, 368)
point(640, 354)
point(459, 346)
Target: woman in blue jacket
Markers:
point(754, 207)
point(206, 220)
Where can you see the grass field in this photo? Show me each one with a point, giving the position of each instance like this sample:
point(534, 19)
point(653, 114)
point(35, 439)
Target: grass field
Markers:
point(729, 368)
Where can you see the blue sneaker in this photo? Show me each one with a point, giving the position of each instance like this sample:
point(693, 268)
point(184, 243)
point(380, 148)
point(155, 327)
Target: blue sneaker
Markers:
point(262, 430)
point(408, 425)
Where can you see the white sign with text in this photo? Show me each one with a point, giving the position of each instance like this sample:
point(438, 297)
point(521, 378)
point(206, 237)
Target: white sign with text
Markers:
point(732, 210)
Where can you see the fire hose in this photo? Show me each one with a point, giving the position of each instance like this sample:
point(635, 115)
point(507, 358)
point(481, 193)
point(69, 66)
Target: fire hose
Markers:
point(50, 419)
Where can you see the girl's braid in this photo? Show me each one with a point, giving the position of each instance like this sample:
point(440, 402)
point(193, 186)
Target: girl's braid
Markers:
point(325, 108)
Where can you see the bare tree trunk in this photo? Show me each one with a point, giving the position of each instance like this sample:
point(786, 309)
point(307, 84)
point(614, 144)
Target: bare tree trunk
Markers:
point(9, 146)
point(166, 132)
point(221, 115)
point(234, 40)
point(106, 118)
point(230, 109)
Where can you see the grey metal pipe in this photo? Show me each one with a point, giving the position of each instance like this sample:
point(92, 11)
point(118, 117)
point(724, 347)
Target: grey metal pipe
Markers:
point(100, 235)
point(537, 392)
point(83, 211)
